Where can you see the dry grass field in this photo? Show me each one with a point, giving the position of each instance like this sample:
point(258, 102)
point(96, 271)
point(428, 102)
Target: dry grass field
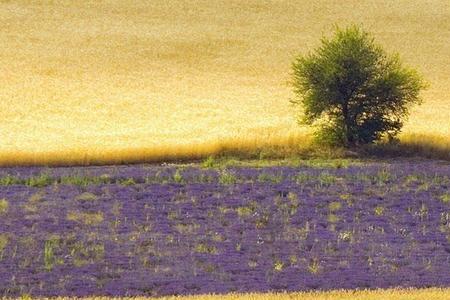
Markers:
point(392, 294)
point(120, 80)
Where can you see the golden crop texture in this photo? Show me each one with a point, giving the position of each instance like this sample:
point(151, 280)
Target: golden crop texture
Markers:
point(389, 294)
point(98, 81)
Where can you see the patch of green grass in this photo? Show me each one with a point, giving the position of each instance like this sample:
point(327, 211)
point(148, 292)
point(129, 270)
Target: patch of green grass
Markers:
point(278, 265)
point(302, 177)
point(37, 197)
point(50, 260)
point(291, 160)
point(445, 198)
point(41, 180)
point(325, 163)
point(74, 180)
point(345, 236)
point(85, 253)
point(262, 221)
point(332, 218)
point(209, 162)
point(178, 177)
point(314, 266)
point(293, 259)
point(244, 211)
point(187, 228)
point(204, 248)
point(3, 243)
point(172, 215)
point(127, 181)
point(265, 177)
point(10, 180)
point(379, 210)
point(227, 178)
point(412, 178)
point(81, 180)
point(3, 206)
point(335, 206)
point(383, 177)
point(86, 197)
point(87, 218)
point(247, 210)
point(326, 179)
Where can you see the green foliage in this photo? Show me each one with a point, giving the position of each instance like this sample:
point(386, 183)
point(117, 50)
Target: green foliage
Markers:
point(3, 206)
point(226, 178)
point(334, 206)
point(445, 198)
point(128, 181)
point(379, 210)
point(50, 260)
point(87, 218)
point(383, 177)
point(9, 180)
point(352, 90)
point(326, 179)
point(39, 181)
point(205, 248)
point(86, 197)
point(265, 177)
point(209, 162)
point(278, 265)
point(81, 180)
point(302, 178)
point(177, 177)
point(3, 242)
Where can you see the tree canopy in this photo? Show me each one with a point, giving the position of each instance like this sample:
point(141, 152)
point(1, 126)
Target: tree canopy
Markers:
point(353, 90)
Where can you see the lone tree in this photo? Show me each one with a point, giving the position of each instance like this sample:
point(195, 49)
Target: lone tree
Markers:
point(352, 90)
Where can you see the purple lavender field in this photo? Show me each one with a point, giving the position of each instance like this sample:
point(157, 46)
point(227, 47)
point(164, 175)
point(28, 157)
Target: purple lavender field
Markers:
point(159, 230)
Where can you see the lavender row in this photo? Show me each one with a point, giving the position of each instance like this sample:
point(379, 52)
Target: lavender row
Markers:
point(240, 229)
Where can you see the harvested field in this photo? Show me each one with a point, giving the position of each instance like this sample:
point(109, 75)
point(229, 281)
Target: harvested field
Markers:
point(111, 81)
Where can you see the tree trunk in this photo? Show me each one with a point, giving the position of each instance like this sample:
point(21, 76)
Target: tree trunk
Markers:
point(347, 125)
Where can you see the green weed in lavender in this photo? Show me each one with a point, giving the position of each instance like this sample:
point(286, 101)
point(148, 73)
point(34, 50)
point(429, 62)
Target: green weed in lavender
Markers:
point(3, 206)
point(50, 260)
point(265, 177)
point(177, 177)
point(3, 243)
point(314, 266)
point(383, 177)
point(302, 178)
point(278, 265)
point(206, 249)
point(379, 210)
point(445, 198)
point(209, 162)
point(86, 197)
point(10, 180)
point(87, 218)
point(42, 180)
point(335, 206)
point(227, 178)
point(326, 179)
point(127, 182)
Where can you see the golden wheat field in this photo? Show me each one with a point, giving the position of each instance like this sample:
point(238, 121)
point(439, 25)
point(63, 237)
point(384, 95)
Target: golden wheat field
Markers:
point(391, 294)
point(120, 80)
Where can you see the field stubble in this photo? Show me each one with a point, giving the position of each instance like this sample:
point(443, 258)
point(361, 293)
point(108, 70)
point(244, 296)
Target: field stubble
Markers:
point(392, 294)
